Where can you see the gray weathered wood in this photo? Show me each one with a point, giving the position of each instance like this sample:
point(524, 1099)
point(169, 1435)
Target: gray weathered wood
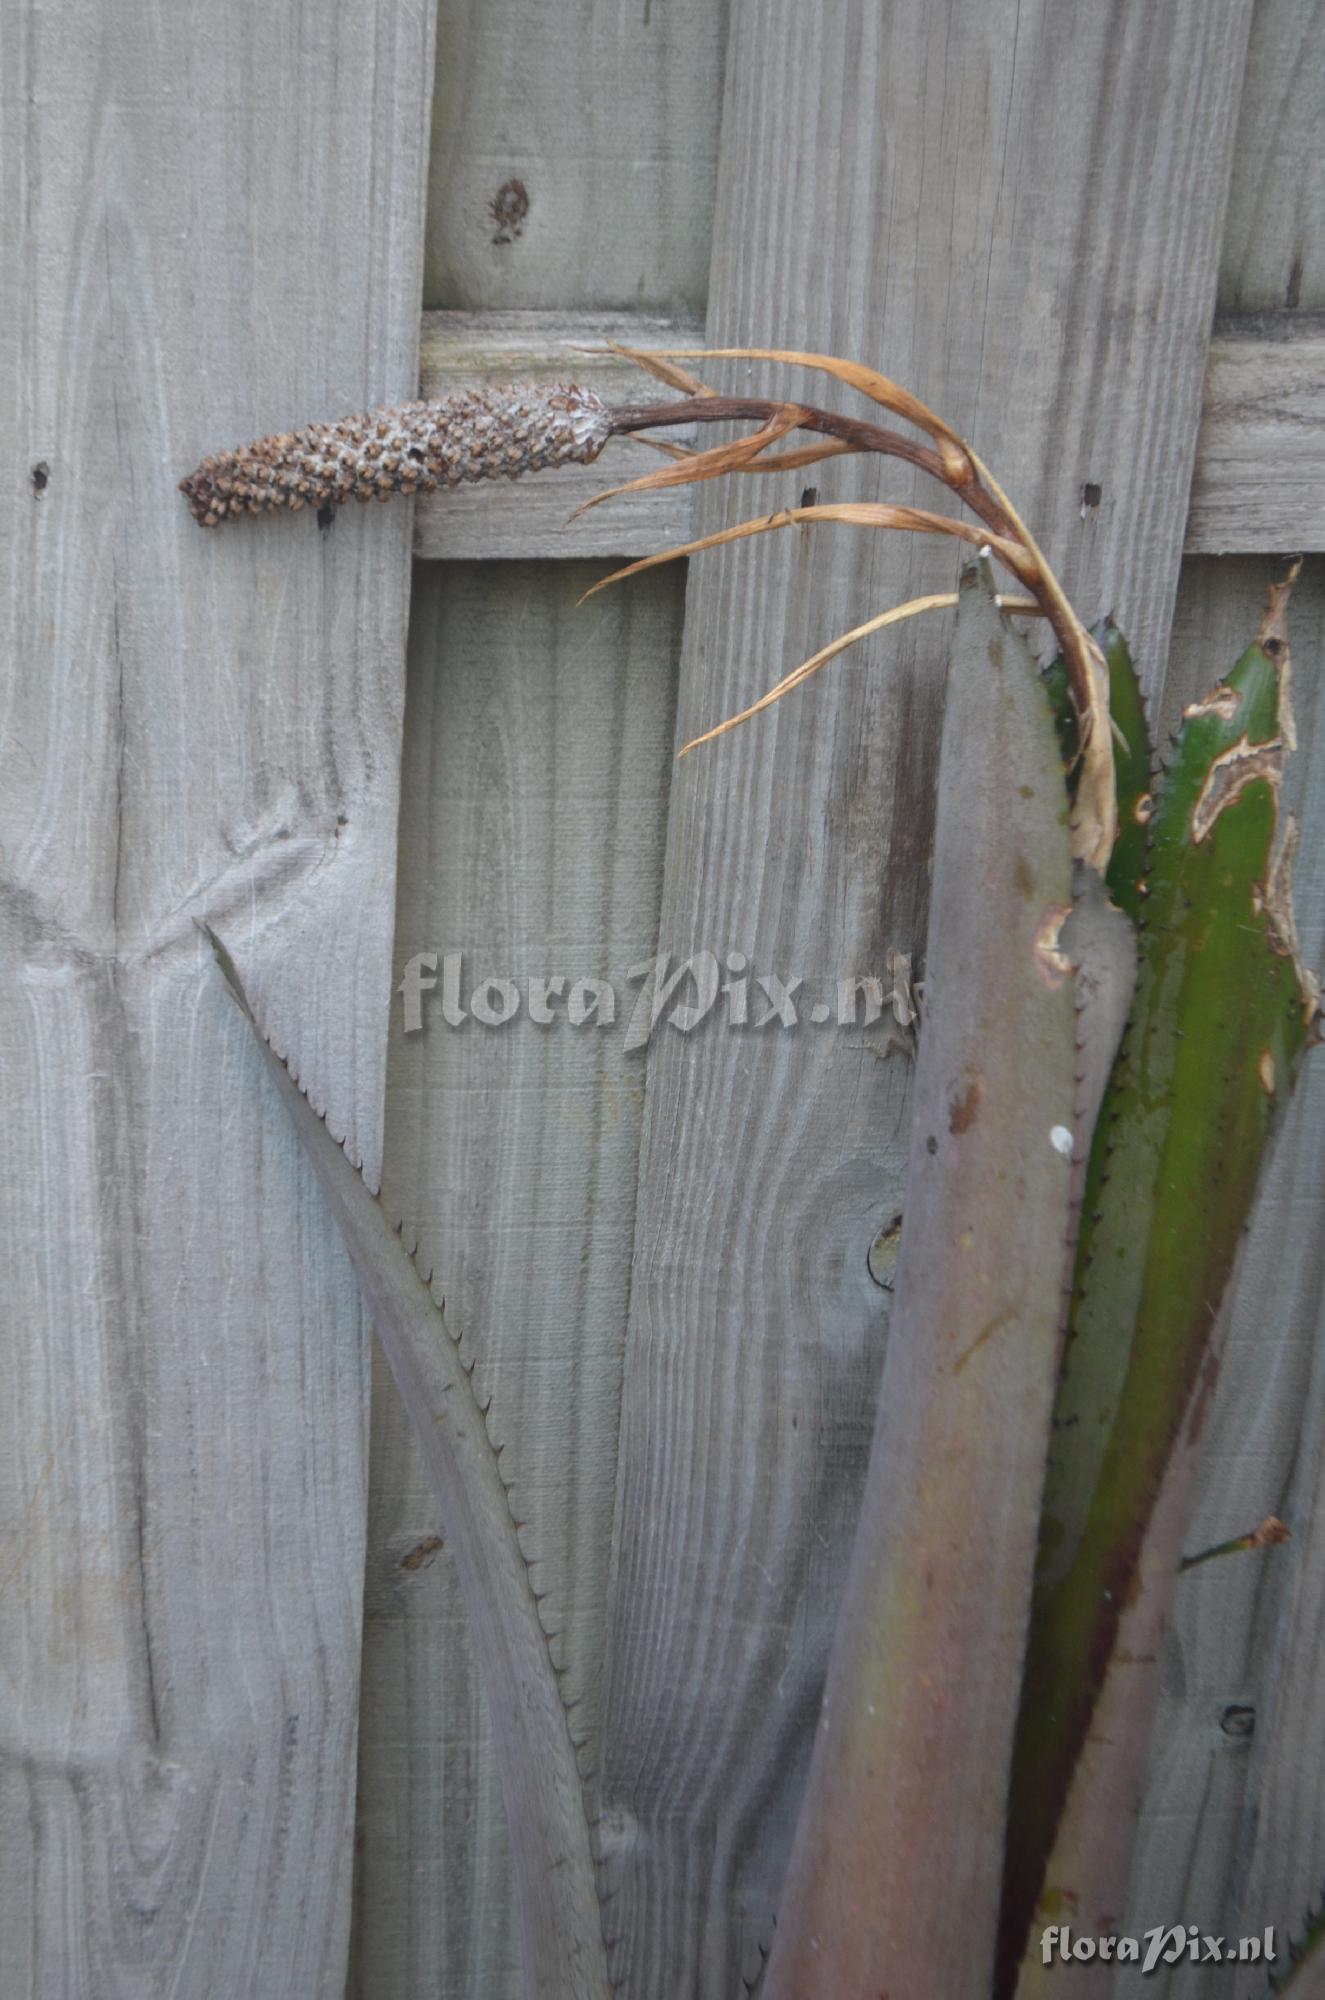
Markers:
point(534, 797)
point(1274, 234)
point(534, 794)
point(212, 228)
point(947, 192)
point(527, 518)
point(1257, 482)
point(573, 153)
point(1280, 1864)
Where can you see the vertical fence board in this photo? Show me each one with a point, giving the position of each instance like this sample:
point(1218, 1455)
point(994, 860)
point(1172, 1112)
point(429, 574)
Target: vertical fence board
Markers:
point(1274, 238)
point(212, 228)
point(1279, 1864)
point(535, 784)
point(533, 802)
point(1016, 211)
point(1275, 255)
point(574, 153)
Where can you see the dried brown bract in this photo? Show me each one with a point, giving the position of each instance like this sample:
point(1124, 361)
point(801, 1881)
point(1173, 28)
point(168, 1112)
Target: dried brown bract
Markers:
point(942, 454)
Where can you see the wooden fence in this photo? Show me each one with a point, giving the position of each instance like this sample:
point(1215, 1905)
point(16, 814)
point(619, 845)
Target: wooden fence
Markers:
point(244, 1746)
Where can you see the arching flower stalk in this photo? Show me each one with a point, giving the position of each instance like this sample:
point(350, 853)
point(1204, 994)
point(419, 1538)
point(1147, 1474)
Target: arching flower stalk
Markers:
point(503, 433)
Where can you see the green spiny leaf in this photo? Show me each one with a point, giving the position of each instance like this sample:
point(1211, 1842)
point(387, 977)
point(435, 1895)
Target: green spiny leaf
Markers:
point(1220, 1021)
point(1133, 767)
point(1304, 1972)
point(1132, 755)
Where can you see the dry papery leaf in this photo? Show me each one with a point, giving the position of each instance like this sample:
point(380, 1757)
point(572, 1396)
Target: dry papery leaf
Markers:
point(710, 464)
point(951, 460)
point(945, 600)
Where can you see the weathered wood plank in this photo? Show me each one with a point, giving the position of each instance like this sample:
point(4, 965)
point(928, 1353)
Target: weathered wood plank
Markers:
point(535, 786)
point(1229, 1646)
point(964, 206)
point(1257, 482)
point(193, 726)
point(1280, 1863)
point(529, 518)
point(1274, 235)
point(534, 792)
point(574, 153)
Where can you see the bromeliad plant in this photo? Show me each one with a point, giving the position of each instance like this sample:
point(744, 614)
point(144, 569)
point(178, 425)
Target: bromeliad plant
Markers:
point(1116, 1012)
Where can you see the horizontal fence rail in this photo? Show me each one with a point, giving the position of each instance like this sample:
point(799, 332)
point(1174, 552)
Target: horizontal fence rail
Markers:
point(1256, 488)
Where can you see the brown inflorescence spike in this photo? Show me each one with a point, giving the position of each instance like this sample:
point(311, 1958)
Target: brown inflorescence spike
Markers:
point(475, 434)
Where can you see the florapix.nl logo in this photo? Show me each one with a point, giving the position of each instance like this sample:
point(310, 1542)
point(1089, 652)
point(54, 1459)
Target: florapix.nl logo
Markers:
point(681, 994)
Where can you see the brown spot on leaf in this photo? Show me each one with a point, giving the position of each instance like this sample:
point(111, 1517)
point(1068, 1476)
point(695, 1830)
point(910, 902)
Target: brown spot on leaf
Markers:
point(1022, 877)
point(1228, 778)
point(1274, 623)
point(1277, 902)
point(1223, 702)
point(986, 1332)
point(1053, 965)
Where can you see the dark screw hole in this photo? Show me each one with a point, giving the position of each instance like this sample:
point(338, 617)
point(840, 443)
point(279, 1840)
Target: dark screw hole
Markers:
point(1238, 1720)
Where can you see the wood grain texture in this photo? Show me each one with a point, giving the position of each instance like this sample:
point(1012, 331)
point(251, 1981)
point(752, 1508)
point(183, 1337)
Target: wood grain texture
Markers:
point(535, 784)
point(1274, 236)
point(960, 201)
point(1257, 482)
point(535, 789)
point(1240, 1706)
point(573, 153)
point(190, 729)
point(526, 519)
point(1280, 1863)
